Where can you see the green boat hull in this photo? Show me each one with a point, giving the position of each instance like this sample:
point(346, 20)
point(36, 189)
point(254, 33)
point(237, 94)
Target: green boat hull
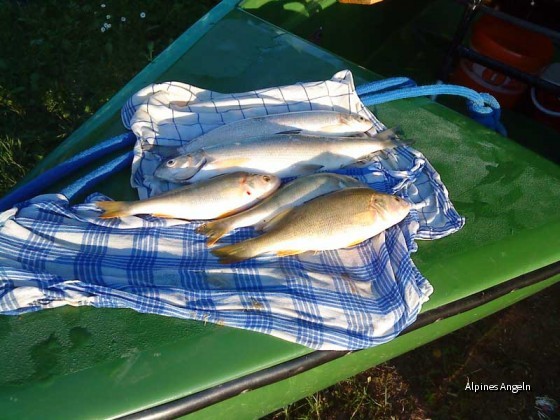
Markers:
point(113, 362)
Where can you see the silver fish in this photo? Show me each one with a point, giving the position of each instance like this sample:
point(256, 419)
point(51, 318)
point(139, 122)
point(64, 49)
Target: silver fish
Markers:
point(217, 197)
point(292, 194)
point(340, 219)
point(324, 123)
point(283, 155)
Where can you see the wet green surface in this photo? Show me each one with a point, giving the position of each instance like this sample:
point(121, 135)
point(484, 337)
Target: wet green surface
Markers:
point(106, 362)
point(399, 38)
point(264, 400)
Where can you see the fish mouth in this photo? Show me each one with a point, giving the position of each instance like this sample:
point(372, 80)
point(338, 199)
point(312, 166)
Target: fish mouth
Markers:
point(181, 175)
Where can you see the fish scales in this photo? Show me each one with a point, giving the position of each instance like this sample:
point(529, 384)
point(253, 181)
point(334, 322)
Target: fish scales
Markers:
point(326, 123)
point(210, 199)
point(292, 194)
point(281, 154)
point(337, 220)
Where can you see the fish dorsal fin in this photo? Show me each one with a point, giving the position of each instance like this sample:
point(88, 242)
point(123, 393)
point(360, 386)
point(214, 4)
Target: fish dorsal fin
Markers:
point(313, 167)
point(266, 226)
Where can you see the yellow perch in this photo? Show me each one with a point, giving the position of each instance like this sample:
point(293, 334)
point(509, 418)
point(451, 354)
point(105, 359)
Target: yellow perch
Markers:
point(337, 220)
point(291, 195)
point(213, 198)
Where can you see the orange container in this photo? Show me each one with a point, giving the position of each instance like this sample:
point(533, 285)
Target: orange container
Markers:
point(518, 47)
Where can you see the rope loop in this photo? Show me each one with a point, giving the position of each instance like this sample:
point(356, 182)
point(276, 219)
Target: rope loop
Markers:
point(482, 107)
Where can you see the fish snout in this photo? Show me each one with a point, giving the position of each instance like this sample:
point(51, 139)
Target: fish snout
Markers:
point(178, 169)
point(399, 205)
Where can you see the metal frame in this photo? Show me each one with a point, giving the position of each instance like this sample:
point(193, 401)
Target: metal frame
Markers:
point(457, 49)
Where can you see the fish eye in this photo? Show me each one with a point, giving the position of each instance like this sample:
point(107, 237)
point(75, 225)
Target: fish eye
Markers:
point(170, 163)
point(266, 178)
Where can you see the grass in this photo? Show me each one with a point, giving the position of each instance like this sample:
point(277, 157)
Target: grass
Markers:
point(518, 344)
point(58, 67)
point(60, 63)
point(11, 153)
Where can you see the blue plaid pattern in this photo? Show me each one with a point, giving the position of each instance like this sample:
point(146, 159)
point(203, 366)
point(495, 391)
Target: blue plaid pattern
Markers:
point(53, 254)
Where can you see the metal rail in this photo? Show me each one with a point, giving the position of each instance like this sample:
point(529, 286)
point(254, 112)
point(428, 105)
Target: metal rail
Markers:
point(456, 48)
point(530, 79)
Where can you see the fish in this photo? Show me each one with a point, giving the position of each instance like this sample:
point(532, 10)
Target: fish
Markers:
point(326, 123)
point(284, 155)
point(290, 195)
point(213, 198)
point(340, 219)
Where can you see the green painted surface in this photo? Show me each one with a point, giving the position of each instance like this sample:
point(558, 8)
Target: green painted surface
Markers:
point(396, 38)
point(106, 362)
point(256, 403)
point(102, 363)
point(353, 31)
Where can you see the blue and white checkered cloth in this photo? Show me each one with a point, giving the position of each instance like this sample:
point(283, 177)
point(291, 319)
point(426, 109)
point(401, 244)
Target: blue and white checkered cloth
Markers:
point(54, 254)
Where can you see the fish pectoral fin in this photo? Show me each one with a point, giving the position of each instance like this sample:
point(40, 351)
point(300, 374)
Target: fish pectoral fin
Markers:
point(231, 162)
point(164, 216)
point(334, 129)
point(287, 252)
point(266, 226)
point(359, 241)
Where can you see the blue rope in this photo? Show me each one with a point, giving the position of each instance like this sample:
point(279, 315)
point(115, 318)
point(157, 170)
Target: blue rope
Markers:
point(99, 174)
point(48, 178)
point(488, 119)
point(482, 107)
point(381, 85)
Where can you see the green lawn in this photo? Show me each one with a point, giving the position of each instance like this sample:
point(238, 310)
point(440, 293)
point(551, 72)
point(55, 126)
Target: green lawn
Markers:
point(61, 61)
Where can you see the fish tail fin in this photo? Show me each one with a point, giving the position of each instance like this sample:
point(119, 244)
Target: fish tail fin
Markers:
point(213, 230)
point(230, 254)
point(390, 138)
point(113, 209)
